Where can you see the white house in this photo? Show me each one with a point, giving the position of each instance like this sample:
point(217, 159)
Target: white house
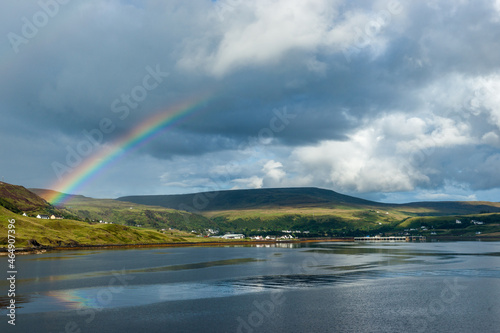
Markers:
point(233, 236)
point(43, 217)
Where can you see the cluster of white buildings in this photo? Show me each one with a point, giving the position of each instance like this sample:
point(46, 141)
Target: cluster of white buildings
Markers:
point(285, 237)
point(472, 221)
point(294, 232)
point(46, 217)
point(211, 231)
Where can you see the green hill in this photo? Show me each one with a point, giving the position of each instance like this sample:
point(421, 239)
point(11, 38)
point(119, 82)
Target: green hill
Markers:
point(16, 200)
point(74, 233)
point(318, 211)
point(251, 199)
point(130, 214)
point(20, 200)
point(307, 197)
point(441, 208)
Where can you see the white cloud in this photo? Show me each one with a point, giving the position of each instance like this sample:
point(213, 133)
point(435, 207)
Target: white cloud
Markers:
point(251, 182)
point(388, 154)
point(418, 104)
point(354, 166)
point(274, 173)
point(276, 27)
point(461, 98)
point(492, 139)
point(263, 32)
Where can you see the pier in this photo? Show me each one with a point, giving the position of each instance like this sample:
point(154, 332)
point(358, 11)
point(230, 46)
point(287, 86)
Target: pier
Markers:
point(391, 239)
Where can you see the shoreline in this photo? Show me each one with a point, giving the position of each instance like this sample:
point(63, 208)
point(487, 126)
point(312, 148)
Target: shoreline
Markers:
point(44, 249)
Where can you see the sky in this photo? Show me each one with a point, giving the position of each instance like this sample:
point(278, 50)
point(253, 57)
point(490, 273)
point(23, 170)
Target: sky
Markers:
point(384, 100)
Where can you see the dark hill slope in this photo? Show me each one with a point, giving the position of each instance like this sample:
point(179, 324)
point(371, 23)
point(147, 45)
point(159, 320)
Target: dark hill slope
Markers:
point(251, 199)
point(437, 208)
point(18, 199)
point(302, 197)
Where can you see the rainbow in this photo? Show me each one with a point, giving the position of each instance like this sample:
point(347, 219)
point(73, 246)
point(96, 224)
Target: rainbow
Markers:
point(137, 137)
point(74, 299)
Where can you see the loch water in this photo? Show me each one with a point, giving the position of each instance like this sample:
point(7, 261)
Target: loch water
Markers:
point(310, 287)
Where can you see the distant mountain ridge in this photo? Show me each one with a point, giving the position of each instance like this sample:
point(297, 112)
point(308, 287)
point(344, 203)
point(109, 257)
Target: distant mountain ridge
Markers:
point(296, 197)
point(320, 212)
point(250, 199)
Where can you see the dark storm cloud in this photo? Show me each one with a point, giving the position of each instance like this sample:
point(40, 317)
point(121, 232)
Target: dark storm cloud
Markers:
point(347, 74)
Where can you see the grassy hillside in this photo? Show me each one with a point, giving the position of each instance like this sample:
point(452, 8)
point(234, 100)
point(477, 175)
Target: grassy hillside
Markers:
point(447, 225)
point(18, 199)
point(251, 199)
point(70, 232)
point(441, 208)
point(269, 211)
point(130, 214)
point(299, 198)
point(21, 198)
point(321, 212)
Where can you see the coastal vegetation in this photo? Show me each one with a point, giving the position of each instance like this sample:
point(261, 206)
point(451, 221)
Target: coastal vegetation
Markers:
point(301, 213)
point(328, 213)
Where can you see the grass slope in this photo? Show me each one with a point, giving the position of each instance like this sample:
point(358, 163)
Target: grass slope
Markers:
point(19, 199)
point(316, 210)
point(297, 198)
point(70, 232)
point(130, 214)
point(269, 211)
point(441, 208)
point(251, 199)
point(447, 225)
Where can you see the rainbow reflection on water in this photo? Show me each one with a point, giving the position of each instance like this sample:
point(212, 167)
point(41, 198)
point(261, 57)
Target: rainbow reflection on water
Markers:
point(74, 298)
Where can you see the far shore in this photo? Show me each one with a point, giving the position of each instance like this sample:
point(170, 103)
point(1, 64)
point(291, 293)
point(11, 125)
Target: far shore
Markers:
point(45, 249)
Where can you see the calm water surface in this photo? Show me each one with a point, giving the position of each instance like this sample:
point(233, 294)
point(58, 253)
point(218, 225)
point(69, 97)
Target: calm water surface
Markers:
point(320, 287)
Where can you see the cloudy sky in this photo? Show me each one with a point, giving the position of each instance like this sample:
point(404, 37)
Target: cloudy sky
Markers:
point(385, 100)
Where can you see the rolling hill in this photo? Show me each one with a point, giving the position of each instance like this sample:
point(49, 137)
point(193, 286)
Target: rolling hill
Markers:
point(130, 214)
point(251, 199)
point(77, 233)
point(299, 198)
point(18, 198)
point(321, 212)
point(21, 200)
point(72, 231)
